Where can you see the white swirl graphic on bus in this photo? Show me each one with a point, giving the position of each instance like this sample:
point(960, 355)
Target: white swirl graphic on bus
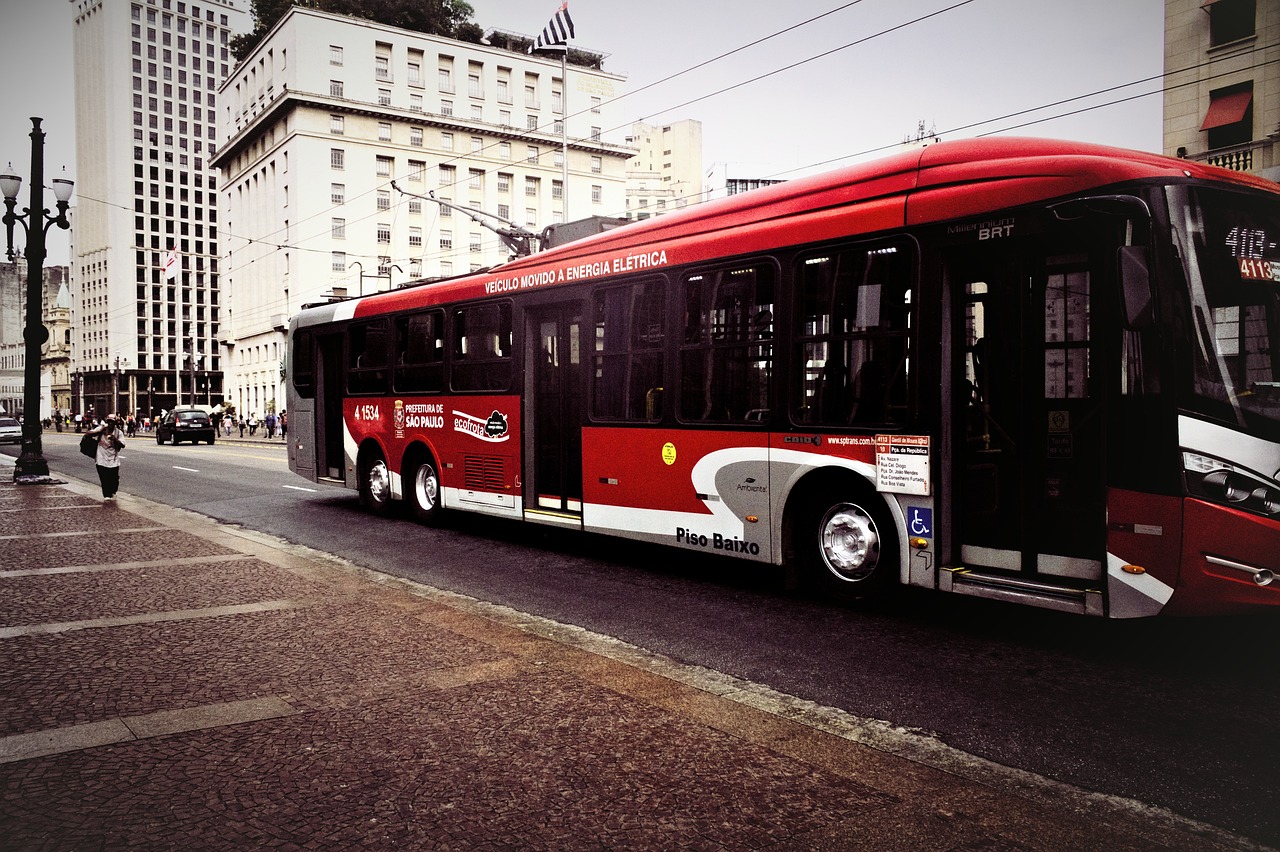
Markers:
point(492, 428)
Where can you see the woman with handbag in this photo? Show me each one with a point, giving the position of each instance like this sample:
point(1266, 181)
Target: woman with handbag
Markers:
point(110, 442)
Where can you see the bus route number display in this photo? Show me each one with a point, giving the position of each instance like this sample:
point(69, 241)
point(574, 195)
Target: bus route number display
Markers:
point(902, 464)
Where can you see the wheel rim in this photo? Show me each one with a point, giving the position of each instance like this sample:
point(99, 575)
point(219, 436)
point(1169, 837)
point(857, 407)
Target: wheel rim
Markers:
point(426, 487)
point(379, 480)
point(849, 543)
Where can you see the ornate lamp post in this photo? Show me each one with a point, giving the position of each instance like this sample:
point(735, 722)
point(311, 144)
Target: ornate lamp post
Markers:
point(36, 221)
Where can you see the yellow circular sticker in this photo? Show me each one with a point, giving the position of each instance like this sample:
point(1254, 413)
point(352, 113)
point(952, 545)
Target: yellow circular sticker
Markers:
point(669, 453)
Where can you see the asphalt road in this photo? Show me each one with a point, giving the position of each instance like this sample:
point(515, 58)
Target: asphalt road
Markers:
point(1177, 713)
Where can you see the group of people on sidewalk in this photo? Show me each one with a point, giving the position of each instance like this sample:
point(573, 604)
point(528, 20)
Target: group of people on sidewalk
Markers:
point(270, 424)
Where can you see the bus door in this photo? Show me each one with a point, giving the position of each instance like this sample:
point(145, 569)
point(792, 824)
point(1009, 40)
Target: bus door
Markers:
point(330, 364)
point(1030, 459)
point(554, 400)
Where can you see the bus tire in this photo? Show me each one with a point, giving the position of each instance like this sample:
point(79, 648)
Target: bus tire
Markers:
point(849, 543)
point(375, 483)
point(422, 488)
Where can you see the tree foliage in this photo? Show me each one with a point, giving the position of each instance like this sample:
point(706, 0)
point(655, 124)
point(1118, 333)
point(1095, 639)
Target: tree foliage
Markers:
point(448, 18)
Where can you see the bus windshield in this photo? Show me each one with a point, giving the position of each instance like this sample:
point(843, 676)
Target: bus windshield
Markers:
point(1230, 243)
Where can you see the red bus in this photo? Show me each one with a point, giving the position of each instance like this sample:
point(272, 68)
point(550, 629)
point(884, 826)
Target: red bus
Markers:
point(1021, 369)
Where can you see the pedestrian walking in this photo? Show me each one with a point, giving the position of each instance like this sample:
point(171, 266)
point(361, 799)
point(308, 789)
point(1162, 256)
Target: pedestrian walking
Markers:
point(270, 422)
point(110, 443)
point(284, 425)
point(242, 425)
point(253, 424)
point(226, 425)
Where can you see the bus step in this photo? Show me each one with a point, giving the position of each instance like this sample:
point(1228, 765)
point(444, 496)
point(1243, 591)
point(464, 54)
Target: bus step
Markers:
point(1042, 593)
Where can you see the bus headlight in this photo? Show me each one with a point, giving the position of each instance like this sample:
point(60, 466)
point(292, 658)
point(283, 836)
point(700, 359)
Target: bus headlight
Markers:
point(1219, 482)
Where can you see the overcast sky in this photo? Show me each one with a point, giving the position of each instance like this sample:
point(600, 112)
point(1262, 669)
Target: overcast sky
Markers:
point(843, 88)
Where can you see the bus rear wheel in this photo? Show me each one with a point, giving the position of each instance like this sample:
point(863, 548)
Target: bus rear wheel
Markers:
point(424, 490)
point(851, 550)
point(375, 484)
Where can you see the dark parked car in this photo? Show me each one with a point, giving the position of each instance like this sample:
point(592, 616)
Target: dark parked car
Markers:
point(185, 424)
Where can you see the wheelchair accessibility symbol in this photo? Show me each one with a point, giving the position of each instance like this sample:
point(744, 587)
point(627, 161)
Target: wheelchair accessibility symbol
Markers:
point(920, 522)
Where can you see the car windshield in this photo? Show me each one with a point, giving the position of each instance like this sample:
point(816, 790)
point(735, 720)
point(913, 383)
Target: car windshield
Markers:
point(192, 415)
point(1230, 242)
point(8, 421)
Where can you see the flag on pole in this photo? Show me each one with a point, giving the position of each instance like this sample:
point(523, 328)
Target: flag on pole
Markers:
point(556, 34)
point(171, 264)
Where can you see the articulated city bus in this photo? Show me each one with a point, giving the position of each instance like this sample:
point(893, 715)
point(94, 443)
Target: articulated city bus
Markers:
point(1020, 369)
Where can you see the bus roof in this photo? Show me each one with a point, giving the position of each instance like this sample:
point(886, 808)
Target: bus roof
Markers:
point(946, 181)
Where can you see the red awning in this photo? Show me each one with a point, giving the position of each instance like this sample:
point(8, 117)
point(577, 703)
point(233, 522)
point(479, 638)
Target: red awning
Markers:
point(1227, 109)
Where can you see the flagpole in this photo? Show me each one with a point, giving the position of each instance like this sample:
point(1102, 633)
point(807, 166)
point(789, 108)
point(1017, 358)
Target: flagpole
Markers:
point(564, 127)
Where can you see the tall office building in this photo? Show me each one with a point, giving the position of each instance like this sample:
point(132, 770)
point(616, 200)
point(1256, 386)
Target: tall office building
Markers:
point(147, 74)
point(328, 111)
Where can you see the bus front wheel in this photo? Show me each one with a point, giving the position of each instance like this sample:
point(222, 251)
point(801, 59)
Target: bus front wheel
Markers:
point(375, 484)
point(851, 548)
point(424, 490)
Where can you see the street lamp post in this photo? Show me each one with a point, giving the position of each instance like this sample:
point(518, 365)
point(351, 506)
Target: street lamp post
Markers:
point(31, 465)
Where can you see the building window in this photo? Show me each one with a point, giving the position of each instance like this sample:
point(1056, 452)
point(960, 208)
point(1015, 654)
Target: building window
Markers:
point(384, 131)
point(597, 194)
point(504, 150)
point(446, 140)
point(475, 178)
point(416, 168)
point(415, 74)
point(477, 144)
point(415, 137)
point(384, 166)
point(1229, 120)
point(335, 88)
point(504, 182)
point(504, 91)
point(447, 176)
point(531, 154)
point(337, 158)
point(415, 102)
point(337, 125)
point(531, 122)
point(445, 78)
point(474, 89)
point(477, 112)
point(384, 97)
point(446, 107)
point(557, 189)
point(382, 67)
point(446, 239)
point(476, 244)
point(339, 261)
point(415, 237)
point(335, 54)
point(415, 206)
point(384, 199)
point(597, 165)
point(337, 193)
point(1231, 20)
point(384, 233)
point(338, 229)
point(531, 187)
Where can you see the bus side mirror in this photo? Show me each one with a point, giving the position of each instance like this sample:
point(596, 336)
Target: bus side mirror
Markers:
point(1135, 288)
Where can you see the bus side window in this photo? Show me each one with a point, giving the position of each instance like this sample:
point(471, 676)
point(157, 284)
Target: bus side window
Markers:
point(302, 364)
point(853, 314)
point(726, 360)
point(367, 357)
point(626, 377)
point(420, 352)
point(481, 348)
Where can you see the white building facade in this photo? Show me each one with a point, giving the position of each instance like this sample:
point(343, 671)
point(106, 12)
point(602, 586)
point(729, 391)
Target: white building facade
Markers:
point(146, 80)
point(328, 111)
point(666, 172)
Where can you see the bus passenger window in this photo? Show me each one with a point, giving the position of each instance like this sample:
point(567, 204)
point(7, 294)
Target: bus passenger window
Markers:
point(853, 314)
point(367, 357)
point(301, 364)
point(482, 348)
point(420, 352)
point(626, 377)
point(726, 360)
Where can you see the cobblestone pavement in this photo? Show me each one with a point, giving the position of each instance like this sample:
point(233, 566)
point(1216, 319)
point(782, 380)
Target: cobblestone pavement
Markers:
point(167, 682)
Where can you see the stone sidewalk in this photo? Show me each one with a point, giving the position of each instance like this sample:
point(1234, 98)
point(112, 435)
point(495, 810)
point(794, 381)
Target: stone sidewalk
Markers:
point(167, 682)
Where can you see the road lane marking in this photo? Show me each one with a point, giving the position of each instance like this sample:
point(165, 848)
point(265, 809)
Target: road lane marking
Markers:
point(187, 469)
point(148, 618)
point(300, 488)
point(94, 734)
